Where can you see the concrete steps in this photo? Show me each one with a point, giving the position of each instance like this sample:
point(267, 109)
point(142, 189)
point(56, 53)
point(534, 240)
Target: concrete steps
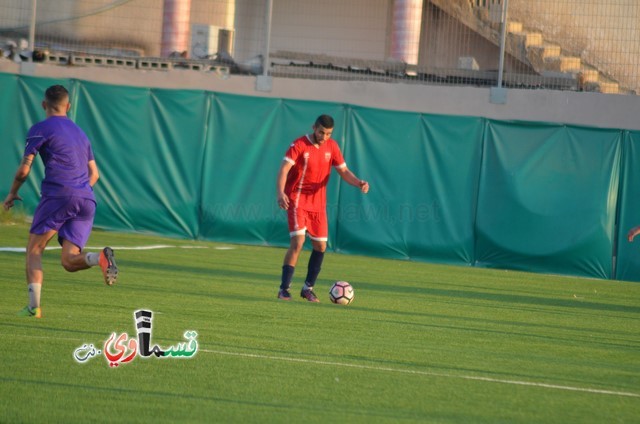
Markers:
point(548, 59)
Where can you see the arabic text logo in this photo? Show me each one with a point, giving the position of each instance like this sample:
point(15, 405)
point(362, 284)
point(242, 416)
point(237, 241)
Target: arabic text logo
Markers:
point(122, 349)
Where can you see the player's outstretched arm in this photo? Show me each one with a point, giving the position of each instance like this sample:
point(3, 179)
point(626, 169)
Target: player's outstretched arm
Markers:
point(350, 178)
point(632, 233)
point(21, 176)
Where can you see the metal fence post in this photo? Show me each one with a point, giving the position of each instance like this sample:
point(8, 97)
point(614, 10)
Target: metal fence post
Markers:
point(503, 38)
point(269, 13)
point(499, 93)
point(263, 82)
point(32, 28)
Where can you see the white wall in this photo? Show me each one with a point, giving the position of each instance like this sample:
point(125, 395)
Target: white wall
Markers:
point(135, 26)
point(588, 109)
point(354, 28)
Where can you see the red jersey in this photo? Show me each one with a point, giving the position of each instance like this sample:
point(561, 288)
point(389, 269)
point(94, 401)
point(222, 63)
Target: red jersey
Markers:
point(307, 180)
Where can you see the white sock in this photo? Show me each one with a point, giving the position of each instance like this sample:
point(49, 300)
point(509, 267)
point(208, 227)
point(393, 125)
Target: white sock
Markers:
point(34, 295)
point(305, 287)
point(92, 258)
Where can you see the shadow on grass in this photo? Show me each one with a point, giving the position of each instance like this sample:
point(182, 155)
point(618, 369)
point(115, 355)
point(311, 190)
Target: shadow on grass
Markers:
point(209, 270)
point(588, 336)
point(179, 395)
point(50, 330)
point(505, 298)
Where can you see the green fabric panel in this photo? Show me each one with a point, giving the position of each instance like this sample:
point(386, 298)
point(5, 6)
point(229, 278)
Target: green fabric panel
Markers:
point(14, 121)
point(238, 183)
point(180, 136)
point(423, 171)
point(547, 198)
point(246, 143)
point(461, 190)
point(628, 254)
point(149, 146)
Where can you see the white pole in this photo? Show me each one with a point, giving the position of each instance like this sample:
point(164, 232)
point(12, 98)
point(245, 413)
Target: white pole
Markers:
point(176, 24)
point(503, 38)
point(32, 28)
point(267, 47)
point(405, 32)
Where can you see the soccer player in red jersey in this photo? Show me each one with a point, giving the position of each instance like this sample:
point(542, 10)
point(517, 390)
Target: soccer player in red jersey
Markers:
point(301, 189)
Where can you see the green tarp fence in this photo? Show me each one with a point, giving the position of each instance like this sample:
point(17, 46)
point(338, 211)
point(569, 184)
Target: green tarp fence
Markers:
point(470, 191)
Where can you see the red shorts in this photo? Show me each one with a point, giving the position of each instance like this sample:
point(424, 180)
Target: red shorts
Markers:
point(313, 222)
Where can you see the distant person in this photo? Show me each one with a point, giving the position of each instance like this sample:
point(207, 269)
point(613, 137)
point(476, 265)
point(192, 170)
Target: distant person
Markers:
point(67, 206)
point(301, 191)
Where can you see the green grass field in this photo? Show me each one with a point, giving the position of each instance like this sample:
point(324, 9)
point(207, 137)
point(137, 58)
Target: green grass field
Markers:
point(420, 343)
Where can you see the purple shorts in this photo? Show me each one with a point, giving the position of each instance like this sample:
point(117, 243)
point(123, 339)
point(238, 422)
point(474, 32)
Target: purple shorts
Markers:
point(71, 217)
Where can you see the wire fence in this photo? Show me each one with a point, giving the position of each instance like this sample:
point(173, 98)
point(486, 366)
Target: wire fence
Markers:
point(582, 45)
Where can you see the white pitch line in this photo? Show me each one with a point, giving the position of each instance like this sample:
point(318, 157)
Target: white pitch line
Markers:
point(428, 373)
point(149, 247)
point(387, 369)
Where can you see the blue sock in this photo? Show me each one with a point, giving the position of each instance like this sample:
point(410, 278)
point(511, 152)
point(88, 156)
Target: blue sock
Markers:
point(315, 264)
point(287, 276)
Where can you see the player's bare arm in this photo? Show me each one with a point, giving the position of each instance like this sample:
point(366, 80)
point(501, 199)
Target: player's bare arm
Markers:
point(632, 233)
point(20, 177)
point(282, 198)
point(94, 175)
point(350, 178)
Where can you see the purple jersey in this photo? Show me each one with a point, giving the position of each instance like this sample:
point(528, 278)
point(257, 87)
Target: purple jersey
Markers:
point(65, 152)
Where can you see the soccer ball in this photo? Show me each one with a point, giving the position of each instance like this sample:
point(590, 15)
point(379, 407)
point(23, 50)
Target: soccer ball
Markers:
point(341, 293)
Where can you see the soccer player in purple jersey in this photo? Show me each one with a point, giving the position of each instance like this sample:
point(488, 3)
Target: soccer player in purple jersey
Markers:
point(67, 206)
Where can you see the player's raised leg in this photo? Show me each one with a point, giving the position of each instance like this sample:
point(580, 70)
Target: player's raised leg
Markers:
point(108, 264)
point(73, 236)
point(73, 259)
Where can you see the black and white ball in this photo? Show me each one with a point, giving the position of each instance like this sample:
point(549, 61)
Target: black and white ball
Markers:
point(341, 293)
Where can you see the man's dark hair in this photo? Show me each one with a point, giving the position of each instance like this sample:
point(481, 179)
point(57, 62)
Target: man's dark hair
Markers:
point(56, 94)
point(324, 121)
